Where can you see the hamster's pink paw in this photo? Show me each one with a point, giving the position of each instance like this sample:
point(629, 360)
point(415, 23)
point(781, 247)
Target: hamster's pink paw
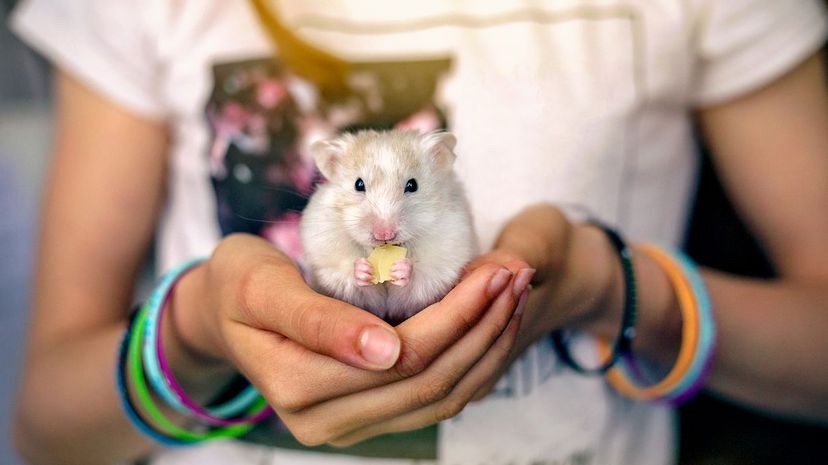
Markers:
point(401, 272)
point(363, 272)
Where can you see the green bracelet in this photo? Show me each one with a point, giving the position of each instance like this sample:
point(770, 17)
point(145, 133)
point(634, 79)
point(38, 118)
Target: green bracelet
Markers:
point(162, 423)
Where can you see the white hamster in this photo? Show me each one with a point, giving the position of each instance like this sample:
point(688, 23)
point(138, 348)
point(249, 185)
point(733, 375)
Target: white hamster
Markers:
point(395, 187)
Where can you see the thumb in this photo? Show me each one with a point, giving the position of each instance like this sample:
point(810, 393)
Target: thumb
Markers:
point(321, 324)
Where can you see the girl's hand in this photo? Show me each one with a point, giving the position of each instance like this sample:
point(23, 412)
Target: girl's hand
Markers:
point(577, 273)
point(335, 373)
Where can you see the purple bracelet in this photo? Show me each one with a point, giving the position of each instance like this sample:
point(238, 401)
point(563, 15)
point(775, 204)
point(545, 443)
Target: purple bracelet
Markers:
point(197, 411)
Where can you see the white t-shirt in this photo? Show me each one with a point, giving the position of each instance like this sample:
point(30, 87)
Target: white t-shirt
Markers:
point(581, 102)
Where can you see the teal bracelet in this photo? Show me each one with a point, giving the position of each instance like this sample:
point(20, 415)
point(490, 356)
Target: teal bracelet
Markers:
point(152, 363)
point(693, 381)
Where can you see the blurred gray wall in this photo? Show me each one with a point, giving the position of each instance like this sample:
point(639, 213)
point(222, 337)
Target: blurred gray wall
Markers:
point(24, 143)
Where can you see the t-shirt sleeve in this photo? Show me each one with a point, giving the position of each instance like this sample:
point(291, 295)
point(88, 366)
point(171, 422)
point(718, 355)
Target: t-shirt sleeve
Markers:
point(742, 45)
point(106, 44)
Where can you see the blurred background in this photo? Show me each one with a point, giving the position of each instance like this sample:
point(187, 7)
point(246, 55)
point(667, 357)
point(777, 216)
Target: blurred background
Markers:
point(24, 142)
point(713, 431)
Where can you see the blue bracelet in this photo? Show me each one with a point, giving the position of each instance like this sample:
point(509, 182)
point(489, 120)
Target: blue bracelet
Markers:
point(120, 378)
point(705, 348)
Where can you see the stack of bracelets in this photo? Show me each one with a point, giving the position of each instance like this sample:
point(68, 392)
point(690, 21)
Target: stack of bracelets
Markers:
point(142, 357)
point(698, 340)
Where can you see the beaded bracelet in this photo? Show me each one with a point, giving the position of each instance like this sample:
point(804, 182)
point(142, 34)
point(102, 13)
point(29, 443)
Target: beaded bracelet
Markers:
point(623, 343)
point(698, 338)
point(161, 376)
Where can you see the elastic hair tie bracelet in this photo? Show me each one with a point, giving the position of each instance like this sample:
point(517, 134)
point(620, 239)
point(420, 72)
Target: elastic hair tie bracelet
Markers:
point(623, 343)
point(161, 376)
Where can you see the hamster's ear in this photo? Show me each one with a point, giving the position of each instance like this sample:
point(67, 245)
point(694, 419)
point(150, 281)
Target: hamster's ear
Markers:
point(328, 153)
point(440, 145)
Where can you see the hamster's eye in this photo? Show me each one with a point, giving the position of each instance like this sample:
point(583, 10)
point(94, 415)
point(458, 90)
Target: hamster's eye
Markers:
point(411, 185)
point(359, 185)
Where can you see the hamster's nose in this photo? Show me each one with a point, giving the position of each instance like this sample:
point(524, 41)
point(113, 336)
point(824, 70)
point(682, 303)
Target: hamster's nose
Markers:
point(384, 231)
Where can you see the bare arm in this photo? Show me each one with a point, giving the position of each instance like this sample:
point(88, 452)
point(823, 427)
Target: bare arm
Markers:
point(772, 150)
point(103, 194)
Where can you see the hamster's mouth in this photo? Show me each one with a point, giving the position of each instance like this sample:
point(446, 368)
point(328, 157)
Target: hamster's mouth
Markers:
point(376, 243)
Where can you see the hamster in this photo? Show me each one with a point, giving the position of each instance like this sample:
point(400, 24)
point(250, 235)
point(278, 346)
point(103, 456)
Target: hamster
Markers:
point(387, 187)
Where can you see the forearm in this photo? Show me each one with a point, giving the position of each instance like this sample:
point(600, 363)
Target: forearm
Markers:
point(771, 345)
point(69, 409)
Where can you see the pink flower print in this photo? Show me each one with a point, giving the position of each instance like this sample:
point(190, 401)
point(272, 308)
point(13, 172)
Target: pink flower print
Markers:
point(270, 93)
point(284, 234)
point(423, 121)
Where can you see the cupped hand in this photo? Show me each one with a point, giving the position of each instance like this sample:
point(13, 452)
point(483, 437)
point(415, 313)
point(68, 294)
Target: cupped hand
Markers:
point(337, 374)
point(575, 273)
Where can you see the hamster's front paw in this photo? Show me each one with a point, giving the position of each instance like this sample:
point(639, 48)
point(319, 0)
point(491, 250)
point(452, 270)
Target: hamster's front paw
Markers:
point(363, 272)
point(401, 272)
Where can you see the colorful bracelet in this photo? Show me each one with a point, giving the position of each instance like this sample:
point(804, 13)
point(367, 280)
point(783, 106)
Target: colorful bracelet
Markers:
point(687, 375)
point(694, 380)
point(126, 401)
point(161, 376)
point(623, 343)
point(162, 424)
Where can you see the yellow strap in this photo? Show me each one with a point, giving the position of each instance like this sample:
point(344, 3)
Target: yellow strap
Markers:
point(327, 71)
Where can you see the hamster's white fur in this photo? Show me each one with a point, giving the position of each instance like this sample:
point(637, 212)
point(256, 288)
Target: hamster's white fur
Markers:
point(434, 222)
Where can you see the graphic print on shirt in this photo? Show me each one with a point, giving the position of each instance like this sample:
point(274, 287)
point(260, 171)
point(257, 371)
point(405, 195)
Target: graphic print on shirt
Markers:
point(263, 118)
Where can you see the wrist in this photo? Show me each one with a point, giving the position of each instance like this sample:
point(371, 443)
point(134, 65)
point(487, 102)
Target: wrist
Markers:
point(603, 280)
point(190, 328)
point(658, 320)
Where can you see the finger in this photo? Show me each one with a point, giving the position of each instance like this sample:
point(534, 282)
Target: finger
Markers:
point(537, 233)
point(430, 332)
point(485, 370)
point(320, 377)
point(338, 417)
point(510, 260)
point(275, 298)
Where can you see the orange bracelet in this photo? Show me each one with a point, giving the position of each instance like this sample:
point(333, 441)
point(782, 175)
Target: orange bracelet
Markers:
point(689, 335)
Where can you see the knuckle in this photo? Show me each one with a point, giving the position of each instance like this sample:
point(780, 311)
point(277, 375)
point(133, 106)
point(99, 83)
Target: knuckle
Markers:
point(449, 408)
point(309, 324)
point(462, 323)
point(494, 329)
point(308, 437)
point(411, 361)
point(291, 400)
point(247, 295)
point(308, 433)
point(433, 390)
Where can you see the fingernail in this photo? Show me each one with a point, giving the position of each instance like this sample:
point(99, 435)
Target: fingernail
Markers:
point(379, 346)
point(522, 280)
point(498, 282)
point(521, 304)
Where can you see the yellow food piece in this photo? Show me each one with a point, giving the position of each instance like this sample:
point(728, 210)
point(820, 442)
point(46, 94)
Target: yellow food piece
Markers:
point(382, 258)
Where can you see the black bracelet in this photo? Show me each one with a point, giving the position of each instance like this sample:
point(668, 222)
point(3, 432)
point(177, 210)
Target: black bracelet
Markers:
point(623, 343)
